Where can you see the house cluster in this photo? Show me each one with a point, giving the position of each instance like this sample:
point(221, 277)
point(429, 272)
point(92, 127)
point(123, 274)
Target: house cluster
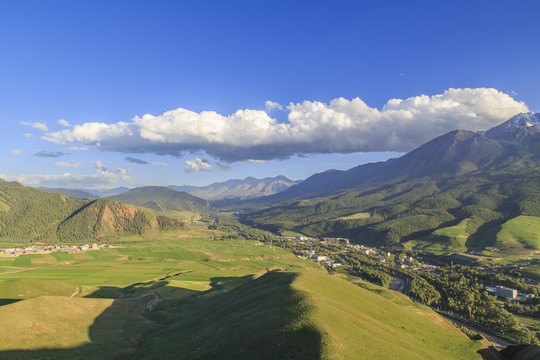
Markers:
point(14, 252)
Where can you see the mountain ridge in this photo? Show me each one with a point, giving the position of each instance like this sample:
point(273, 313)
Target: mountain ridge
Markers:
point(238, 189)
point(162, 198)
point(485, 178)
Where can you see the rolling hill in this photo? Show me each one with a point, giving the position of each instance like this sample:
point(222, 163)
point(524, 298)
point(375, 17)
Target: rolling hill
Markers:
point(485, 178)
point(162, 198)
point(74, 193)
point(28, 214)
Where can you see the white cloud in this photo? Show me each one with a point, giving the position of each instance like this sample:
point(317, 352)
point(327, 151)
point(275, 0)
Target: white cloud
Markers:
point(36, 125)
point(160, 164)
point(197, 165)
point(78, 148)
point(63, 122)
point(16, 152)
point(27, 135)
point(65, 164)
point(87, 181)
point(341, 126)
point(271, 105)
point(122, 171)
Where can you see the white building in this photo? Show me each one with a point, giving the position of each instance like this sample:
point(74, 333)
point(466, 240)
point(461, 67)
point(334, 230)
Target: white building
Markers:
point(506, 292)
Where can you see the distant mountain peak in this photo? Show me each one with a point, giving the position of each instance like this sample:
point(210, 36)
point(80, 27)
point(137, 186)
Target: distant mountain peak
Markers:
point(523, 120)
point(520, 129)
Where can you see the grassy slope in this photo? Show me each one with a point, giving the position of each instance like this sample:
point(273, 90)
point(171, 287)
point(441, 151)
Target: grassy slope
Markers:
point(29, 288)
point(452, 238)
point(356, 321)
point(56, 327)
point(522, 232)
point(308, 314)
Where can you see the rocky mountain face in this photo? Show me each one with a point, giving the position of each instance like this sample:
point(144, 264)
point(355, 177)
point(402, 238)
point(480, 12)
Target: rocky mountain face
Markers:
point(236, 189)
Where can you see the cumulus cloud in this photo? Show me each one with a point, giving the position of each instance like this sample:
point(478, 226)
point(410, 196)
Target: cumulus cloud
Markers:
point(99, 165)
point(197, 165)
point(271, 105)
point(78, 148)
point(341, 126)
point(41, 153)
point(65, 164)
point(35, 125)
point(87, 181)
point(16, 152)
point(63, 122)
point(123, 173)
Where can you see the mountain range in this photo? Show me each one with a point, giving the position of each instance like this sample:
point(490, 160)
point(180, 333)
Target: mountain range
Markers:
point(236, 189)
point(479, 180)
point(227, 192)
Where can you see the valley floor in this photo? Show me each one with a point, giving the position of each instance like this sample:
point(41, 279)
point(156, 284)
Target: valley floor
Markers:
point(186, 295)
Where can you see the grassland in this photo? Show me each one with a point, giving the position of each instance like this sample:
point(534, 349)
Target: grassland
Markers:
point(522, 232)
point(218, 299)
point(452, 238)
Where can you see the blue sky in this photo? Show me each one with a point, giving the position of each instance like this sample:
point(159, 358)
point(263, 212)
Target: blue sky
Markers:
point(240, 88)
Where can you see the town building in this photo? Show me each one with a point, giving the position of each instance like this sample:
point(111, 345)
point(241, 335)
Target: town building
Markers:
point(506, 292)
point(335, 241)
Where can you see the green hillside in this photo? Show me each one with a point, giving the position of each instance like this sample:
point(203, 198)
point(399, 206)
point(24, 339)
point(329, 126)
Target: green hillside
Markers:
point(162, 198)
point(306, 315)
point(28, 214)
point(468, 210)
point(218, 299)
point(522, 232)
point(78, 194)
point(452, 238)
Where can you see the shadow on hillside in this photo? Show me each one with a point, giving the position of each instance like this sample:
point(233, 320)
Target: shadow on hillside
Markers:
point(238, 318)
point(8, 301)
point(491, 353)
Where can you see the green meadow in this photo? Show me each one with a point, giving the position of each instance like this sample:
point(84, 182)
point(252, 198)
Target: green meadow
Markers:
point(522, 232)
point(185, 295)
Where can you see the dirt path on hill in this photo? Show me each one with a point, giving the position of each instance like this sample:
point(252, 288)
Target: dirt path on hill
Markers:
point(77, 292)
point(152, 304)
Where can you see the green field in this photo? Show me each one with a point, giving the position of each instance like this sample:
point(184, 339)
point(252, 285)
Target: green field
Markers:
point(217, 299)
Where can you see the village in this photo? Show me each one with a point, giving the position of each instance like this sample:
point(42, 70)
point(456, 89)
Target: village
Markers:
point(14, 252)
point(386, 258)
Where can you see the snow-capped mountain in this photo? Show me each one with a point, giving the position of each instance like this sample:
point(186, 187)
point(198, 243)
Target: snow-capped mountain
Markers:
point(523, 120)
